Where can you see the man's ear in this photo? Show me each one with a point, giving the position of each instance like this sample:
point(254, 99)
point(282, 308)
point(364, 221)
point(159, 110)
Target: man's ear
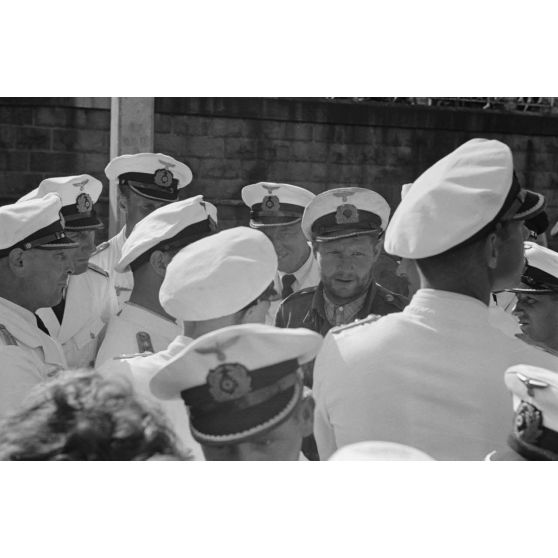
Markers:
point(17, 261)
point(159, 261)
point(305, 414)
point(378, 248)
point(123, 203)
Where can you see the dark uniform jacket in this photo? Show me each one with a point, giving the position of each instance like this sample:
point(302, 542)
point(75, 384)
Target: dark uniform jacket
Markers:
point(305, 308)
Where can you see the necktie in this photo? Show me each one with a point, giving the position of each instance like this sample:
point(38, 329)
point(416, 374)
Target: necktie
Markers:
point(287, 282)
point(41, 325)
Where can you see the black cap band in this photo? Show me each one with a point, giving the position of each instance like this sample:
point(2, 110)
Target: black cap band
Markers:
point(161, 185)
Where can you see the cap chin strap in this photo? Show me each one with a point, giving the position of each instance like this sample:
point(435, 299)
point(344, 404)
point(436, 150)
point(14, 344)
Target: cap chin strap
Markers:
point(320, 238)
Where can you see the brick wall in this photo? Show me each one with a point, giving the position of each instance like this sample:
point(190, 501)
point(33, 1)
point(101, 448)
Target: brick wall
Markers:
point(51, 137)
point(320, 145)
point(233, 142)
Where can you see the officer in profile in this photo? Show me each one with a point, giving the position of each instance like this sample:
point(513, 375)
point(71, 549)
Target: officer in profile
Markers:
point(431, 376)
point(534, 435)
point(537, 298)
point(244, 391)
point(79, 320)
point(35, 261)
point(143, 325)
point(276, 210)
point(146, 181)
point(345, 226)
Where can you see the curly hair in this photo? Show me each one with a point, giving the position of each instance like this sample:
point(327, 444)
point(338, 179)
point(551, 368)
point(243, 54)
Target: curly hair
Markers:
point(85, 416)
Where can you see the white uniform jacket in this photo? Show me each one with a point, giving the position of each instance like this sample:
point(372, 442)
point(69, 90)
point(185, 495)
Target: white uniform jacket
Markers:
point(136, 330)
point(308, 275)
point(431, 377)
point(28, 356)
point(106, 257)
point(140, 370)
point(90, 303)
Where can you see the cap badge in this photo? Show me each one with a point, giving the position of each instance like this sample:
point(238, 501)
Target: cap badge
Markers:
point(531, 384)
point(218, 349)
point(528, 423)
point(84, 203)
point(163, 178)
point(346, 213)
point(229, 381)
point(271, 203)
point(81, 185)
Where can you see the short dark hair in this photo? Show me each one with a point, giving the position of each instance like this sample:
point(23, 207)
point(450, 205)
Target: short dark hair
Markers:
point(85, 416)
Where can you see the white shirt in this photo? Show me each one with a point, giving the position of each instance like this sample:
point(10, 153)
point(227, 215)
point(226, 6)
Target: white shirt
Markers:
point(308, 275)
point(90, 303)
point(140, 370)
point(107, 256)
point(34, 358)
point(121, 337)
point(431, 377)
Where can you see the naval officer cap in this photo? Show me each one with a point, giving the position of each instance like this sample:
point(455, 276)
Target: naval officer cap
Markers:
point(540, 275)
point(238, 381)
point(79, 194)
point(458, 199)
point(155, 176)
point(218, 275)
point(172, 226)
point(535, 430)
point(35, 223)
point(273, 205)
point(379, 451)
point(343, 213)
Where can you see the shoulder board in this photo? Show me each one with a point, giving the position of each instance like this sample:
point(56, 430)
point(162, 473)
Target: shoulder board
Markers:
point(302, 292)
point(132, 355)
point(6, 337)
point(368, 320)
point(100, 248)
point(98, 269)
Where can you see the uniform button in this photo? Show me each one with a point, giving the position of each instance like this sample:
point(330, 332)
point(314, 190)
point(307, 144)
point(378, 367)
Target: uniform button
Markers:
point(389, 298)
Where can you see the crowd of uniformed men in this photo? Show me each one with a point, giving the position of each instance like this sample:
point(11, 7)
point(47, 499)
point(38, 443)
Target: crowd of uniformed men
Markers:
point(178, 340)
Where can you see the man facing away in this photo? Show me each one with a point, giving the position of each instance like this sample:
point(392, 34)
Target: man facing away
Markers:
point(35, 261)
point(222, 280)
point(79, 320)
point(432, 376)
point(146, 181)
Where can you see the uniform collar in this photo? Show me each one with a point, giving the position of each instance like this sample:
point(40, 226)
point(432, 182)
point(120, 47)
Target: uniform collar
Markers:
point(145, 318)
point(301, 273)
point(457, 307)
point(22, 324)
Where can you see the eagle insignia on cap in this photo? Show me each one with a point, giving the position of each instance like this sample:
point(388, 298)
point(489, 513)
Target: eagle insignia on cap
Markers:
point(528, 423)
point(531, 384)
point(218, 349)
point(84, 203)
point(81, 185)
point(229, 381)
point(163, 178)
point(346, 213)
point(271, 203)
